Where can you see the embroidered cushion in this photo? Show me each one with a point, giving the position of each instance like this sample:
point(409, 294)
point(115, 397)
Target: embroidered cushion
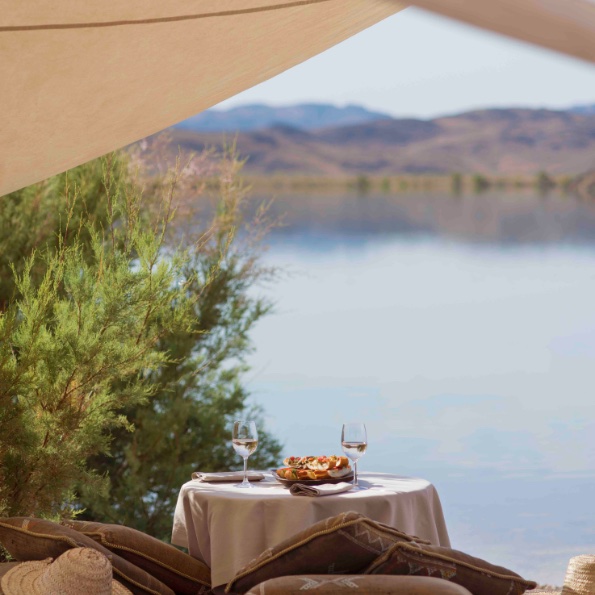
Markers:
point(344, 544)
point(36, 539)
point(368, 585)
point(179, 571)
point(476, 575)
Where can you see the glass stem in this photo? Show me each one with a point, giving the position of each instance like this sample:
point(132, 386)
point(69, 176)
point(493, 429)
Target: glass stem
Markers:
point(355, 473)
point(245, 470)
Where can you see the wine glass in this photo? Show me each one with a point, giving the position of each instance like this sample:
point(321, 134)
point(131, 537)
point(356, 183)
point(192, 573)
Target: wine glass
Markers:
point(354, 441)
point(244, 440)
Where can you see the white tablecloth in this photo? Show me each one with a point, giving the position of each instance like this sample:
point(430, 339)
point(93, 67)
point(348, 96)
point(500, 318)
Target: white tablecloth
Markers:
point(227, 527)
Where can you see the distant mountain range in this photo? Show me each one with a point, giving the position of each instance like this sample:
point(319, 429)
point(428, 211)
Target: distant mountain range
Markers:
point(307, 116)
point(330, 141)
point(583, 109)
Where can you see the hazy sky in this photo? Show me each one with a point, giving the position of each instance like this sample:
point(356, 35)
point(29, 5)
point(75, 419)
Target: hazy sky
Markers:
point(418, 64)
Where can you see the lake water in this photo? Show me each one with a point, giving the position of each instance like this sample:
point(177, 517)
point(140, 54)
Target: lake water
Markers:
point(462, 331)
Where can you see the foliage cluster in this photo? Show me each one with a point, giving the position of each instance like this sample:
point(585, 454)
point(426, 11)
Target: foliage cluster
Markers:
point(121, 354)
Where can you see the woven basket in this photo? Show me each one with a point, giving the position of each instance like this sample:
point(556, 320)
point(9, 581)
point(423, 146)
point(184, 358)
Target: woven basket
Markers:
point(580, 576)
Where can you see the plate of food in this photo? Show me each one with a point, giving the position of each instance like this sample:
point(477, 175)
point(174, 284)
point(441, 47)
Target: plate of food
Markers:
point(314, 470)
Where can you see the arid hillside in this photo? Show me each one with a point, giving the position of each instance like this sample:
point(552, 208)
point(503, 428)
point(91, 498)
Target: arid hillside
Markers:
point(491, 142)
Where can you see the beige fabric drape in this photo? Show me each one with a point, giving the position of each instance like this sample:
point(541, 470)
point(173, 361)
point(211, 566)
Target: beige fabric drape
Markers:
point(567, 26)
point(81, 78)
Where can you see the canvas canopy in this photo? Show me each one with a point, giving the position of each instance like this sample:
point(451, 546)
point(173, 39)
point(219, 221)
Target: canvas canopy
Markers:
point(80, 79)
point(567, 26)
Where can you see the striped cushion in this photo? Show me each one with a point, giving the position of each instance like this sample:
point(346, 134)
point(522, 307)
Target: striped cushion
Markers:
point(343, 544)
point(179, 571)
point(476, 575)
point(36, 539)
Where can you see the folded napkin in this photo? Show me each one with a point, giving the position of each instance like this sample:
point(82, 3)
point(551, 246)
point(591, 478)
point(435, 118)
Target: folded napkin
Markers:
point(227, 476)
point(325, 489)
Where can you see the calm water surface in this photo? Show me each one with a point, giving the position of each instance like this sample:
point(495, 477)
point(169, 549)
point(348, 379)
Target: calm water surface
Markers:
point(462, 331)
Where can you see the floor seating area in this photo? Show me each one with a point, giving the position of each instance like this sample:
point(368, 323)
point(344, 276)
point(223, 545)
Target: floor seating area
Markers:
point(228, 527)
point(343, 553)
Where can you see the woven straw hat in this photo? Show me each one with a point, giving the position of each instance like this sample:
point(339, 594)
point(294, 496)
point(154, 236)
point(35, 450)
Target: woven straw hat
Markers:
point(580, 576)
point(76, 571)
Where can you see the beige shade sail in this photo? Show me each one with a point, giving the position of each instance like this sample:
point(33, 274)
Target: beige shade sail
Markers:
point(567, 26)
point(81, 78)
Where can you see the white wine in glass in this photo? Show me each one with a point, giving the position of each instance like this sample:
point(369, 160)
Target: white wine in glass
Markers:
point(244, 440)
point(354, 441)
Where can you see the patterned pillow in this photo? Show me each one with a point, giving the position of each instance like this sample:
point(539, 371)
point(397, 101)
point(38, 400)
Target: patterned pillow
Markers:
point(35, 539)
point(344, 544)
point(367, 585)
point(478, 576)
point(179, 571)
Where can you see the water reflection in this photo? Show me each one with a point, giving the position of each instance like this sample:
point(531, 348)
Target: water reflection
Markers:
point(462, 331)
point(509, 219)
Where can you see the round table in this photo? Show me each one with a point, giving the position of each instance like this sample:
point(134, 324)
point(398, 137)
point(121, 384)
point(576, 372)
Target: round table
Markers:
point(227, 527)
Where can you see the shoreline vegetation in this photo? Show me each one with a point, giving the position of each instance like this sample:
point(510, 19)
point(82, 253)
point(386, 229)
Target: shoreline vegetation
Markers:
point(296, 178)
point(455, 183)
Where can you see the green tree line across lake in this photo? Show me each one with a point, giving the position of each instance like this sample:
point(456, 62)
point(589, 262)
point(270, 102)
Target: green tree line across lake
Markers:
point(454, 183)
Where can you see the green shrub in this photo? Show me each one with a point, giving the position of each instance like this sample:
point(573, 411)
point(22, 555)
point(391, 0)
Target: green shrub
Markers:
point(106, 328)
point(544, 182)
point(480, 183)
point(363, 184)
